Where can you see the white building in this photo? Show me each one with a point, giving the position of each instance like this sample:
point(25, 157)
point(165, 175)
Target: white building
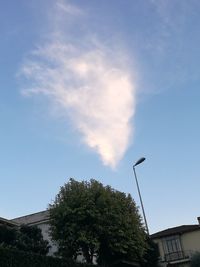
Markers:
point(176, 245)
point(41, 220)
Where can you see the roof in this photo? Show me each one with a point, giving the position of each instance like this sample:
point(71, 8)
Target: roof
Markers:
point(4, 221)
point(176, 230)
point(35, 218)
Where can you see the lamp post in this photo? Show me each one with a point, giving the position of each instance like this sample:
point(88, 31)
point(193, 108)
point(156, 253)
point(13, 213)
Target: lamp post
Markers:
point(138, 188)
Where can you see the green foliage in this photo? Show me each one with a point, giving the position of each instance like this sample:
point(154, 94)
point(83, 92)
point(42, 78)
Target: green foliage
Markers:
point(151, 255)
point(26, 238)
point(195, 260)
point(8, 236)
point(15, 258)
point(88, 218)
point(30, 239)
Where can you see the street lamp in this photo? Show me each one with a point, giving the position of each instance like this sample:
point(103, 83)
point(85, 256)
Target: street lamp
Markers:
point(145, 220)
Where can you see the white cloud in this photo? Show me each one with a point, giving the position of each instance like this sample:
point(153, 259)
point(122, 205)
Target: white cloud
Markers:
point(68, 8)
point(92, 87)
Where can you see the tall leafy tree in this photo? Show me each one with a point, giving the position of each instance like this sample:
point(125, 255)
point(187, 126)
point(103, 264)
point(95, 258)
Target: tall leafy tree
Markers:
point(96, 221)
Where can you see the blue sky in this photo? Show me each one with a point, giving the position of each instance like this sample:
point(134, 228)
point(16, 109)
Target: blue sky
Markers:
point(87, 88)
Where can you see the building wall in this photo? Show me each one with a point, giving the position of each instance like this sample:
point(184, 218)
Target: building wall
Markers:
point(191, 241)
point(190, 244)
point(41, 220)
point(45, 232)
point(160, 247)
point(46, 236)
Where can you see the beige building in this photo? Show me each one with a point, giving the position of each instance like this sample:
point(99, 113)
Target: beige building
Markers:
point(178, 244)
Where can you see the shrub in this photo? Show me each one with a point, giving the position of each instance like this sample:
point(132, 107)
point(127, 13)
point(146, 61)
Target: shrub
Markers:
point(25, 238)
point(195, 260)
point(15, 258)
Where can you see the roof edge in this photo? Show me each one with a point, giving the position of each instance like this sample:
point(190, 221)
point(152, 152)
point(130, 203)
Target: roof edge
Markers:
point(177, 230)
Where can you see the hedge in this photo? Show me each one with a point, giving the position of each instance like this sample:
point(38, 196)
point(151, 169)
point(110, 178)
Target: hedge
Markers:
point(16, 258)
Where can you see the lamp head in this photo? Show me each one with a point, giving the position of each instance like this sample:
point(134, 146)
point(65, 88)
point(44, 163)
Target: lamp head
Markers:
point(139, 161)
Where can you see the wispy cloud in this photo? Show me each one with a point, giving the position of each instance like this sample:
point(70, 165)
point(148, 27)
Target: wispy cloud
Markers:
point(93, 88)
point(167, 11)
point(68, 8)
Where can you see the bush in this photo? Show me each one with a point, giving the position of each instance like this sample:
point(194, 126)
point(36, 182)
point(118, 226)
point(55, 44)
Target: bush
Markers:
point(30, 239)
point(195, 260)
point(25, 238)
point(151, 256)
point(8, 236)
point(16, 258)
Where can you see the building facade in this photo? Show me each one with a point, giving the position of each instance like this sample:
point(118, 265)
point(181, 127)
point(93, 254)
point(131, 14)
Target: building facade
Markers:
point(178, 244)
point(41, 220)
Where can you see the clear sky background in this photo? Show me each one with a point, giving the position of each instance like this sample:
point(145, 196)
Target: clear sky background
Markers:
point(89, 87)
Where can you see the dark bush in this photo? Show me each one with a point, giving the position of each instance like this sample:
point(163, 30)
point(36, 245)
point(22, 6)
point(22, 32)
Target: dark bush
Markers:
point(15, 258)
point(30, 239)
point(25, 238)
point(195, 260)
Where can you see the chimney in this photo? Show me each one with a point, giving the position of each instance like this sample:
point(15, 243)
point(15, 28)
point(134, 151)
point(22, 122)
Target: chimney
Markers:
point(198, 218)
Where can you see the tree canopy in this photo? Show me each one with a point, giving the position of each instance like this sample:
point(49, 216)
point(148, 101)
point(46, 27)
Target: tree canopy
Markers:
point(96, 221)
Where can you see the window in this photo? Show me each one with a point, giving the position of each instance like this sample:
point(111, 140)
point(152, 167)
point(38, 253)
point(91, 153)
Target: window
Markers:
point(172, 248)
